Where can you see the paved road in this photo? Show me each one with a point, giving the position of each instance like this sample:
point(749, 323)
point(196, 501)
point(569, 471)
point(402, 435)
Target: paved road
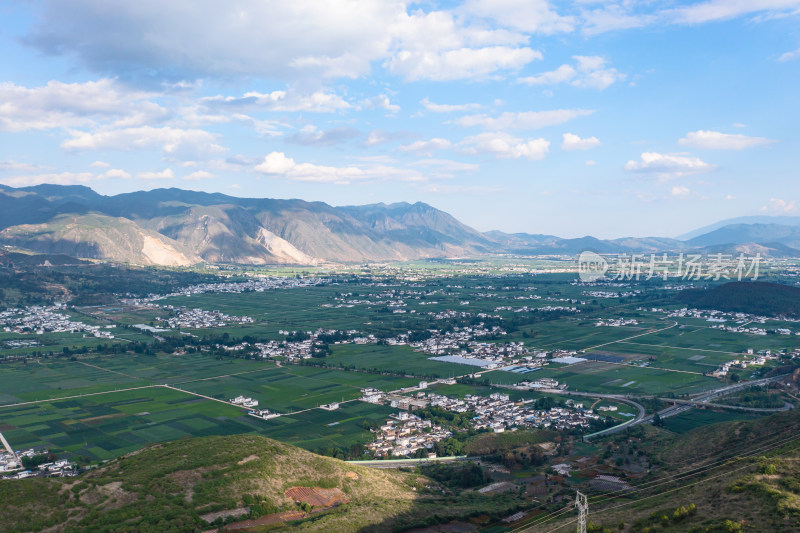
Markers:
point(398, 463)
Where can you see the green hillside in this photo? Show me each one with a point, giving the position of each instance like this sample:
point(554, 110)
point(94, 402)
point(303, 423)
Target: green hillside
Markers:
point(756, 297)
point(178, 486)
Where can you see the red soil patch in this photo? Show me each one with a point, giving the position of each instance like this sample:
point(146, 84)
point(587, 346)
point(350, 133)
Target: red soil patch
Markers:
point(316, 497)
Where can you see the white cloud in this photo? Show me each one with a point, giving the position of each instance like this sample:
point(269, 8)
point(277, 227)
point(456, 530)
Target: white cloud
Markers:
point(311, 136)
point(165, 174)
point(461, 63)
point(172, 141)
point(530, 16)
point(277, 164)
point(504, 146)
point(17, 166)
point(589, 72)
point(573, 142)
point(69, 105)
point(780, 206)
point(680, 190)
point(560, 75)
point(590, 162)
point(714, 140)
point(427, 147)
point(199, 175)
point(63, 178)
point(788, 56)
point(376, 137)
point(99, 164)
point(667, 166)
point(380, 102)
point(525, 120)
point(713, 10)
point(447, 108)
point(321, 101)
point(446, 165)
point(116, 173)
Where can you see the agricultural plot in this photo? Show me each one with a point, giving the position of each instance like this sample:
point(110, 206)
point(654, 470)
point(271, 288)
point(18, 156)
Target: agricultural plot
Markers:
point(395, 359)
point(109, 425)
point(614, 379)
point(293, 388)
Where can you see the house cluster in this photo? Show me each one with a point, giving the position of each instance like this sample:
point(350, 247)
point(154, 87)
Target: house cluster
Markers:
point(8, 461)
point(39, 320)
point(617, 322)
point(57, 468)
point(405, 434)
point(750, 359)
point(244, 401)
point(610, 294)
point(543, 383)
point(499, 413)
point(200, 318)
point(453, 341)
point(257, 284)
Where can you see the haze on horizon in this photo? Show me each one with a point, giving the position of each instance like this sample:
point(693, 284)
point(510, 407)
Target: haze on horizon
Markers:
point(610, 118)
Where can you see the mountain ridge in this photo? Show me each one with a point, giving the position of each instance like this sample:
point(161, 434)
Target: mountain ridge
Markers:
point(177, 227)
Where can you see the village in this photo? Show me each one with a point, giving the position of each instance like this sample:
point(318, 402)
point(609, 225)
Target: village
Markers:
point(40, 320)
point(46, 465)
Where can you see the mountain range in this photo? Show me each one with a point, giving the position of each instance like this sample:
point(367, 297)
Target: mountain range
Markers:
point(174, 227)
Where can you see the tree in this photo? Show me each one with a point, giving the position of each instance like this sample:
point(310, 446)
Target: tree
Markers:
point(657, 420)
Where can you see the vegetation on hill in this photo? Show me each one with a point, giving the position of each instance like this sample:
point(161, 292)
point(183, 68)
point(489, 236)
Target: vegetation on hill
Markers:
point(756, 297)
point(180, 485)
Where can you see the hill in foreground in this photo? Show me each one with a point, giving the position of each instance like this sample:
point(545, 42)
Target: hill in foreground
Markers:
point(234, 483)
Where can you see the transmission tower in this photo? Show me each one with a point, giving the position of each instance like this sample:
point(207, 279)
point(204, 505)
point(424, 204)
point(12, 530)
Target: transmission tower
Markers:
point(582, 503)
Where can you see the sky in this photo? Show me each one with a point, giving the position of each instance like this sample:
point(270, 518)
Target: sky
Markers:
point(609, 118)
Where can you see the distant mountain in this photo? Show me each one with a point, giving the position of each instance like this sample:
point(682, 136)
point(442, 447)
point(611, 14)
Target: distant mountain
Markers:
point(177, 227)
point(757, 219)
point(749, 233)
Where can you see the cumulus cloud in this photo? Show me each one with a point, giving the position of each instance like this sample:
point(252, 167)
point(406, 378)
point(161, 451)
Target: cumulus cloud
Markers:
point(380, 102)
point(504, 146)
point(199, 175)
point(176, 142)
point(278, 164)
point(117, 173)
point(525, 120)
point(447, 108)
point(780, 206)
point(460, 63)
point(667, 166)
point(680, 190)
point(714, 140)
point(99, 164)
point(588, 72)
point(427, 147)
point(165, 174)
point(571, 141)
point(205, 38)
point(69, 105)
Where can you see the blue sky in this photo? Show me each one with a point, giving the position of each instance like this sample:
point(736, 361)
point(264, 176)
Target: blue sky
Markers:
point(604, 117)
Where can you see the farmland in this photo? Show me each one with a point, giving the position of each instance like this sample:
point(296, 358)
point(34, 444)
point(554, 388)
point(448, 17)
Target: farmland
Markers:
point(98, 398)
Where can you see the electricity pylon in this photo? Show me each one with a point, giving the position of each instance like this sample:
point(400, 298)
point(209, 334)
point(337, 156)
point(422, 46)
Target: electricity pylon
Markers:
point(582, 503)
